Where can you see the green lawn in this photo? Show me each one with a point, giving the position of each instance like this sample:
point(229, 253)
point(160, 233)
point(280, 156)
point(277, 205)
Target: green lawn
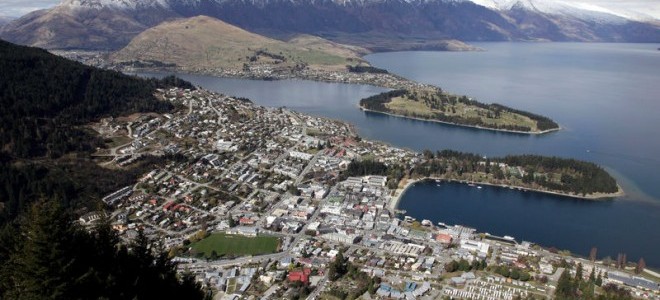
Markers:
point(224, 244)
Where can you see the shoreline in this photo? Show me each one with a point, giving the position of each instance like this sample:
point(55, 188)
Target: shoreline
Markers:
point(462, 125)
point(382, 80)
point(396, 198)
point(388, 81)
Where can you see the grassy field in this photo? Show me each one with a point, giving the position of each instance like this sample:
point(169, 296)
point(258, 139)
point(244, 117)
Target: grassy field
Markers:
point(225, 244)
point(409, 107)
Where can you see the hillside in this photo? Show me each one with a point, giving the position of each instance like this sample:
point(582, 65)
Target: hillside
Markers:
point(45, 101)
point(77, 27)
point(378, 25)
point(46, 174)
point(205, 42)
point(43, 97)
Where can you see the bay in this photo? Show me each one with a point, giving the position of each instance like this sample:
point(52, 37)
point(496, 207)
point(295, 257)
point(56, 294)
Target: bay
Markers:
point(605, 97)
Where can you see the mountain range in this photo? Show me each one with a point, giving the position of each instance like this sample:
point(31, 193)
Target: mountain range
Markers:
point(375, 24)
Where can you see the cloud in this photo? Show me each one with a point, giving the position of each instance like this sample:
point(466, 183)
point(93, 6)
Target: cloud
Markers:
point(17, 8)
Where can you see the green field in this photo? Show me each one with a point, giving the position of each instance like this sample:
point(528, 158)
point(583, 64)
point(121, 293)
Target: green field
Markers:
point(408, 107)
point(225, 244)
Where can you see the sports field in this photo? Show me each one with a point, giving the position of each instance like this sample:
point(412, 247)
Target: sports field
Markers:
point(225, 244)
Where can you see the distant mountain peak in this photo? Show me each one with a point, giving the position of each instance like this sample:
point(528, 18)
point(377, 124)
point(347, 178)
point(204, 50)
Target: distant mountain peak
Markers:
point(111, 24)
point(120, 4)
point(575, 8)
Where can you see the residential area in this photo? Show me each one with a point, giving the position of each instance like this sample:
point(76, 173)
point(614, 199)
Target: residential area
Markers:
point(256, 204)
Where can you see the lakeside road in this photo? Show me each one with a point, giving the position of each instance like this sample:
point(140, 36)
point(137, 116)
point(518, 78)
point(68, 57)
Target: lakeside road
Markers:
point(398, 194)
point(462, 125)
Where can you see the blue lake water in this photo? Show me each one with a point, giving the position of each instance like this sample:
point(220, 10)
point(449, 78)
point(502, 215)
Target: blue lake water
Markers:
point(605, 96)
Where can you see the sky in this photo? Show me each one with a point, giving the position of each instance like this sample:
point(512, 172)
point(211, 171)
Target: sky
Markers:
point(17, 8)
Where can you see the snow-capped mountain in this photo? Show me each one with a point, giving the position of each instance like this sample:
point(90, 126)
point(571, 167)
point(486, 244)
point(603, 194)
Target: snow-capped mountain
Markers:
point(111, 24)
point(579, 9)
point(117, 4)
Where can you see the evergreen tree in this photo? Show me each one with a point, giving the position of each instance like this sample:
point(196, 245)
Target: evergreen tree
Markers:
point(42, 266)
point(56, 259)
point(565, 287)
point(578, 272)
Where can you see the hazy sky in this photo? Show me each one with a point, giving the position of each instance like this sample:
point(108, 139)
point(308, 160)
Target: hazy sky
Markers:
point(17, 8)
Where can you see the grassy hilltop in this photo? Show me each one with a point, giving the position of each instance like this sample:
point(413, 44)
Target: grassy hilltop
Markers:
point(208, 43)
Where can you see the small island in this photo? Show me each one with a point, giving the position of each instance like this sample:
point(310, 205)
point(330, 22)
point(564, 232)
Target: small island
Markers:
point(433, 104)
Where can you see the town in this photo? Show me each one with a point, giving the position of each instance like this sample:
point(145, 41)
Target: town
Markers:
point(256, 204)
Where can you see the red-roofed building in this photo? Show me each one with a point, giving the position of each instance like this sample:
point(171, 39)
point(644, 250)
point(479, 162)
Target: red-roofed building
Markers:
point(300, 275)
point(443, 238)
point(168, 205)
point(246, 221)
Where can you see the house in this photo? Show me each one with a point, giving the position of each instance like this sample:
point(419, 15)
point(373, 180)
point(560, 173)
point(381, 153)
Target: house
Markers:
point(299, 275)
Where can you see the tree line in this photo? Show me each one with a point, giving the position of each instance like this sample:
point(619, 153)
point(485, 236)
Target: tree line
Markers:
point(365, 69)
point(577, 287)
point(578, 177)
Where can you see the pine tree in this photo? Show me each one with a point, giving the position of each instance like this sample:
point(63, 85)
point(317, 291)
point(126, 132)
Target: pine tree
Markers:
point(41, 268)
point(565, 288)
point(578, 272)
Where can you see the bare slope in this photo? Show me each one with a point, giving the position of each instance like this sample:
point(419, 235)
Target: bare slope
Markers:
point(206, 43)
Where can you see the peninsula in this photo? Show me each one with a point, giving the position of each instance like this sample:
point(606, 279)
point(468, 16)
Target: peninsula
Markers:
point(552, 175)
point(237, 191)
point(204, 45)
point(433, 104)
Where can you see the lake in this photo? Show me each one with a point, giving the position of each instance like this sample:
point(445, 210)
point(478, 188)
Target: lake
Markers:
point(605, 96)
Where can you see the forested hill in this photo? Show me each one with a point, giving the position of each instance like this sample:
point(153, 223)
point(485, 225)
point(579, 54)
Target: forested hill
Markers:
point(43, 97)
point(44, 101)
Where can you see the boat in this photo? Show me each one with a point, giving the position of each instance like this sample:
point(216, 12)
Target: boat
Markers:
point(471, 184)
point(479, 187)
point(508, 237)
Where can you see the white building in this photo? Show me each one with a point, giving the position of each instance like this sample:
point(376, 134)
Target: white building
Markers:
point(475, 246)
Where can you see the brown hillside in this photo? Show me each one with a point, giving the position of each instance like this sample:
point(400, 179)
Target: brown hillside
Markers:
point(205, 42)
